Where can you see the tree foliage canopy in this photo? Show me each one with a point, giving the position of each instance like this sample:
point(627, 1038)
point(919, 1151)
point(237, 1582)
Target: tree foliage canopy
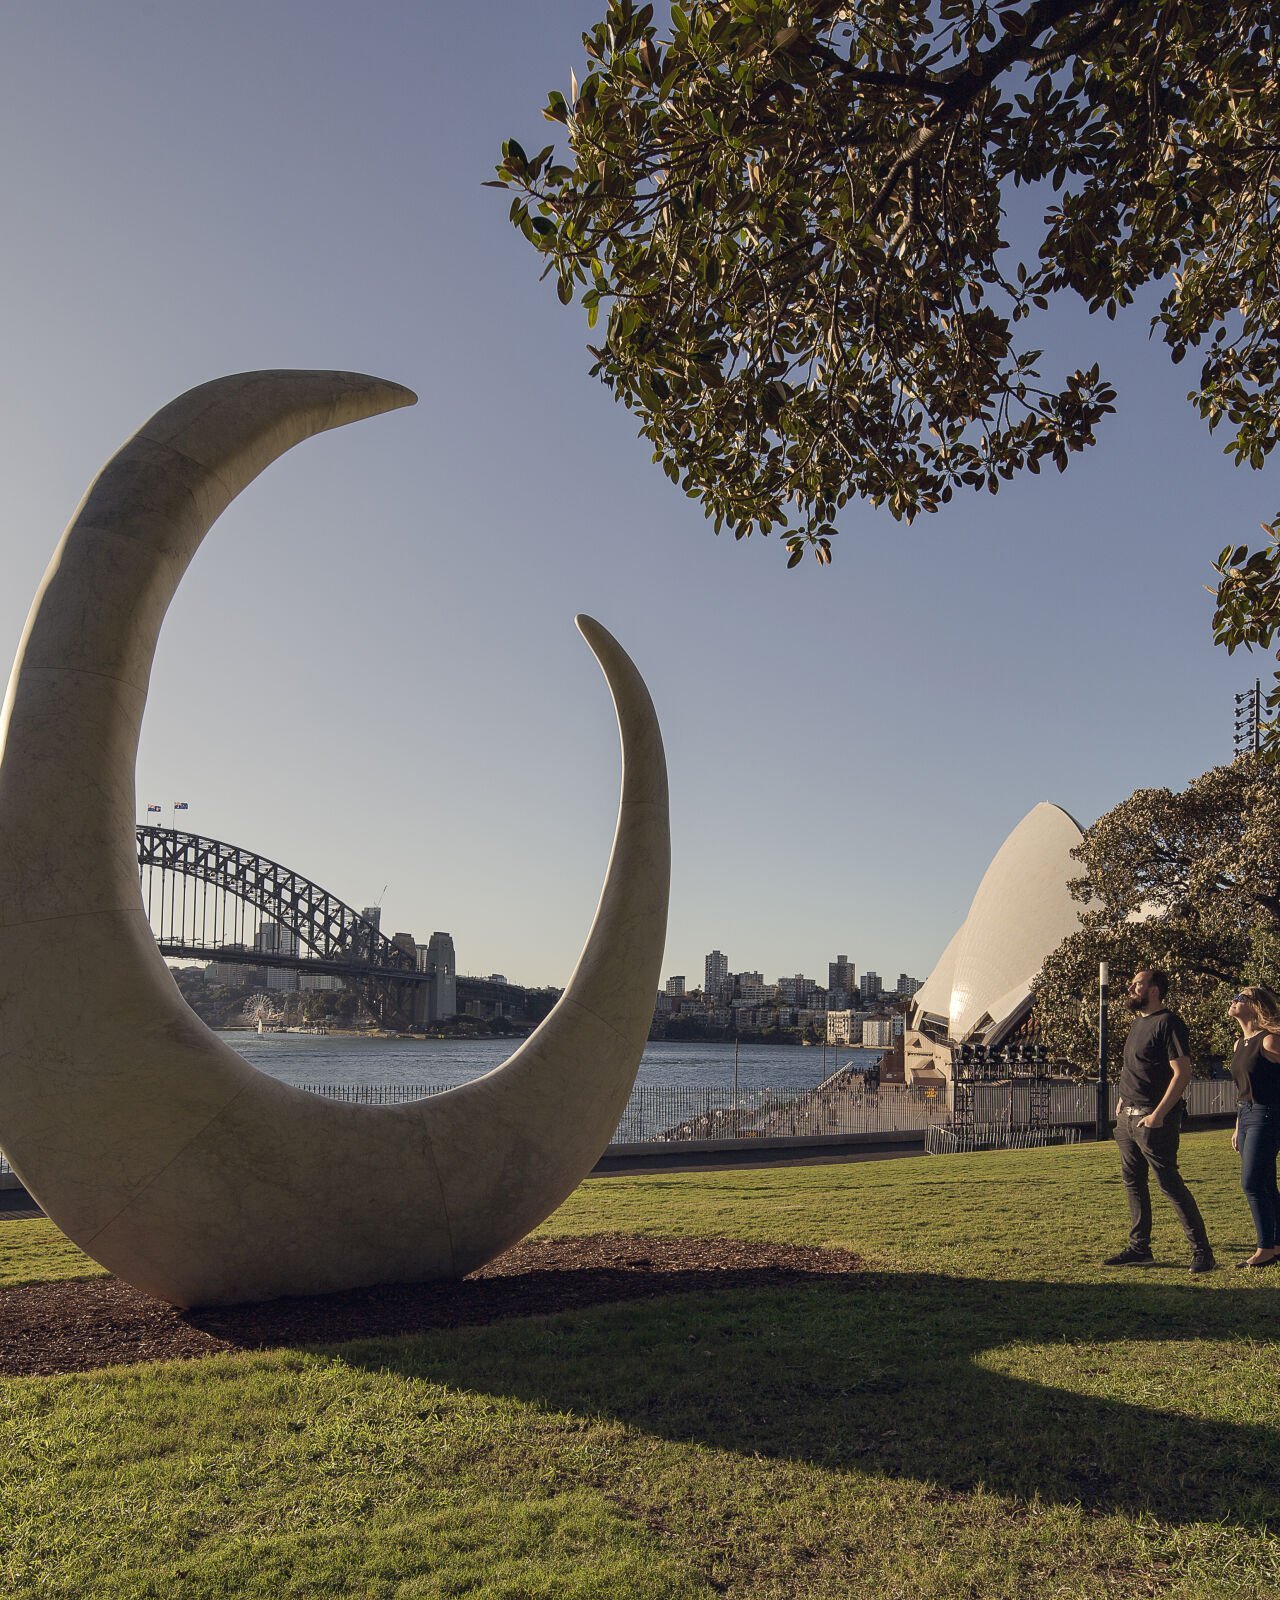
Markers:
point(794, 218)
point(1187, 881)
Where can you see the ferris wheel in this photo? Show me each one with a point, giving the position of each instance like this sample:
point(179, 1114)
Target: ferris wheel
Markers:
point(260, 1008)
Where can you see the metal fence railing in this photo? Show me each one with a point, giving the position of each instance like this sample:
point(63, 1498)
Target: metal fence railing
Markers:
point(1077, 1101)
point(671, 1113)
point(675, 1112)
point(1206, 1097)
point(940, 1141)
point(376, 1094)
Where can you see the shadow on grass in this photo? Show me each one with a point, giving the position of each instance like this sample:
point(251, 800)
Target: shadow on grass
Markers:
point(881, 1375)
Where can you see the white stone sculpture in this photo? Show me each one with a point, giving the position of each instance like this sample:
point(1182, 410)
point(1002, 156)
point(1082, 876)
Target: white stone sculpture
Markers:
point(151, 1143)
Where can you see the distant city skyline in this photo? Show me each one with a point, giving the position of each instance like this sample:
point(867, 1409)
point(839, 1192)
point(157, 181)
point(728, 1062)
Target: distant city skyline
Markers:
point(743, 1004)
point(868, 982)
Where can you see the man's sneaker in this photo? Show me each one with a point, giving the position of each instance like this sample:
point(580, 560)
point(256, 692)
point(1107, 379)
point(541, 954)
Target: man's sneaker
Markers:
point(1131, 1256)
point(1202, 1261)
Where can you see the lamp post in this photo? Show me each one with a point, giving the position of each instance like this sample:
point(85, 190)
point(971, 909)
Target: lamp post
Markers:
point(1103, 1106)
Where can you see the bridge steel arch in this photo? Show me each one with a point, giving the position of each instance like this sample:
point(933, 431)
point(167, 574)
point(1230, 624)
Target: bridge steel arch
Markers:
point(343, 943)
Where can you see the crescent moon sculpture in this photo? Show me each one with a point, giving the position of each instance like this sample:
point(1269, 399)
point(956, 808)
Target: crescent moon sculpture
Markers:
point(148, 1141)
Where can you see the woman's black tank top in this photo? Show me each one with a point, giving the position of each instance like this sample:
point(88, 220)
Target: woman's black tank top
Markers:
point(1257, 1077)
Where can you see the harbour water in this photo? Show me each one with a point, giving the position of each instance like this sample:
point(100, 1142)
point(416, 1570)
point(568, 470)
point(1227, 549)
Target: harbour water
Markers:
point(324, 1059)
point(678, 1083)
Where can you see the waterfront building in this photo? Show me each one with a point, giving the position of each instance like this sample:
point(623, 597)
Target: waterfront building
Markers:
point(980, 990)
point(717, 970)
point(841, 976)
point(841, 1026)
point(316, 982)
point(273, 938)
point(228, 974)
point(797, 991)
point(878, 1032)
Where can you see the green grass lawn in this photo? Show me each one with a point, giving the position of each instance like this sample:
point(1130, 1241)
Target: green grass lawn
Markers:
point(985, 1412)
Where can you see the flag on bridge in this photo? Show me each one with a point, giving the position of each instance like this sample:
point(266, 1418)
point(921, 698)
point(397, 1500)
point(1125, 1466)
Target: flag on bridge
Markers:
point(178, 805)
point(153, 808)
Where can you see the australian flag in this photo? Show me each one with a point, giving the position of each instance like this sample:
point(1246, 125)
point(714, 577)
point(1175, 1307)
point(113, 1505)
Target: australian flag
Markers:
point(153, 808)
point(178, 805)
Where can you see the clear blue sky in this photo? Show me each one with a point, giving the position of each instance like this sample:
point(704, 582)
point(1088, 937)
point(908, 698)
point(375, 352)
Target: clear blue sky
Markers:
point(371, 672)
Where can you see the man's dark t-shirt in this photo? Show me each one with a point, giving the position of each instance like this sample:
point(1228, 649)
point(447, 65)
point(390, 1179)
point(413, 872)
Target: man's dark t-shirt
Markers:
point(1152, 1042)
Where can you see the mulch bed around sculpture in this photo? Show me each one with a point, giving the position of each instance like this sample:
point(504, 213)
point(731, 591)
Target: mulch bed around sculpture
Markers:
point(99, 1322)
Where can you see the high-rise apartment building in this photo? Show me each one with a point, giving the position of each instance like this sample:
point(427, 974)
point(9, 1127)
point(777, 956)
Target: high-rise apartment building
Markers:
point(717, 970)
point(907, 986)
point(841, 977)
point(364, 941)
point(797, 991)
point(273, 938)
point(869, 986)
point(675, 986)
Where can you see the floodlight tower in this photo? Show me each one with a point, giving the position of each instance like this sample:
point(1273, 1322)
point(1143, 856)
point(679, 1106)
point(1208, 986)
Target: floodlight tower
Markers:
point(1248, 724)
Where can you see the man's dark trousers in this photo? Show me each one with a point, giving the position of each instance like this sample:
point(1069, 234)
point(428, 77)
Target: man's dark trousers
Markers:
point(1147, 1150)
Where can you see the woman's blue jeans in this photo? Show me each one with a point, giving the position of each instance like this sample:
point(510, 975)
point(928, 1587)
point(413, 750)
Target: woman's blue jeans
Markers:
point(1258, 1130)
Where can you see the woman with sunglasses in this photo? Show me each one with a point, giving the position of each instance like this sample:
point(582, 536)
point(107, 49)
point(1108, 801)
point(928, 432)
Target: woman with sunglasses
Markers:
point(1256, 1070)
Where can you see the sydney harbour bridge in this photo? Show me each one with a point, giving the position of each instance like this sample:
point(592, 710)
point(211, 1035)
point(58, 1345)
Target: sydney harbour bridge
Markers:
point(208, 900)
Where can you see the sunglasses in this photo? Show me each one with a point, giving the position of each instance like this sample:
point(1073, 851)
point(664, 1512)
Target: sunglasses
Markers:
point(1237, 998)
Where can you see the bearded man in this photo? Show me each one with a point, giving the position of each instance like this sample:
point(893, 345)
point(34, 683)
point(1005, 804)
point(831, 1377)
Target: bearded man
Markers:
point(1149, 1112)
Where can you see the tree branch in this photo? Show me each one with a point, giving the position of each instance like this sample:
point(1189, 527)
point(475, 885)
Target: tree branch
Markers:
point(967, 82)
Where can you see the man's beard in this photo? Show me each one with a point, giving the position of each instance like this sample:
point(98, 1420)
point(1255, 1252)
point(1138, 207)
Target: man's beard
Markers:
point(1133, 1004)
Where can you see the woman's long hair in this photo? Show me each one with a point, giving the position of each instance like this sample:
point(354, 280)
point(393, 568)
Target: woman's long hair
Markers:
point(1266, 1005)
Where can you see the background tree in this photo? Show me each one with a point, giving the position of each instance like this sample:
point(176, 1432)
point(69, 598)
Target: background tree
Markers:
point(794, 219)
point(1188, 881)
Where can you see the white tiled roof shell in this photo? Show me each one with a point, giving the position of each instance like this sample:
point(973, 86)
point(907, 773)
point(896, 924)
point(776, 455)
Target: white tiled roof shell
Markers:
point(934, 994)
point(1020, 913)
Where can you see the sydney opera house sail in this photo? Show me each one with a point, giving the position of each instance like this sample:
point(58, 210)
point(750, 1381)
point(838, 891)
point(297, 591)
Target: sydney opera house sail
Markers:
point(980, 988)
